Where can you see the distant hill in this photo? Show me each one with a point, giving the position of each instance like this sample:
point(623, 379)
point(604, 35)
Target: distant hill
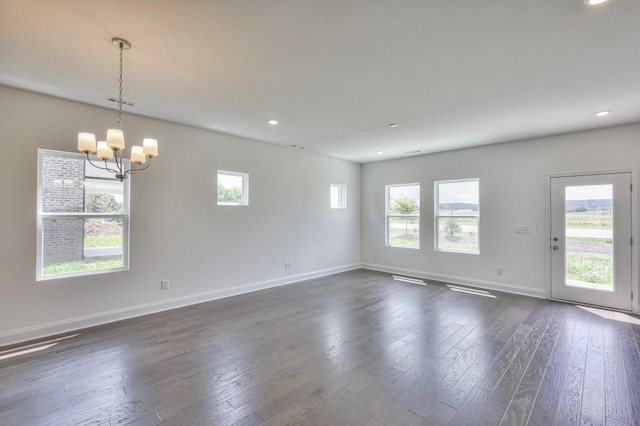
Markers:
point(588, 205)
point(458, 206)
point(572, 206)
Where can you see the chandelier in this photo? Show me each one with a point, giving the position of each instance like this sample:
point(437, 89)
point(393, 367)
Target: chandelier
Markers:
point(113, 147)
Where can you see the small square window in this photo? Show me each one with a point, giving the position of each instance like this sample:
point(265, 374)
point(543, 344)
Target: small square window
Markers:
point(338, 196)
point(233, 188)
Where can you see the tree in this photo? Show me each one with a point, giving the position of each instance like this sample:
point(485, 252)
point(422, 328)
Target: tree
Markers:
point(101, 203)
point(451, 227)
point(231, 194)
point(405, 206)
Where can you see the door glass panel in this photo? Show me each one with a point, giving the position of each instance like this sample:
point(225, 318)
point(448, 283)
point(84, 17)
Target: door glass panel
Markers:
point(589, 236)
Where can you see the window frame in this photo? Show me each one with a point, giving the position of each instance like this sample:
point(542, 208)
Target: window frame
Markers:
point(389, 215)
point(436, 216)
point(342, 196)
point(245, 188)
point(41, 216)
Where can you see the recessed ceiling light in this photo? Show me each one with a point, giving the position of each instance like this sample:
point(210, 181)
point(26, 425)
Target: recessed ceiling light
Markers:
point(603, 113)
point(394, 125)
point(594, 2)
point(272, 122)
point(379, 152)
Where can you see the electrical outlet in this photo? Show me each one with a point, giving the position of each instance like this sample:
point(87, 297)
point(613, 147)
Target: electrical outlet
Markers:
point(164, 285)
point(375, 256)
point(291, 264)
point(499, 270)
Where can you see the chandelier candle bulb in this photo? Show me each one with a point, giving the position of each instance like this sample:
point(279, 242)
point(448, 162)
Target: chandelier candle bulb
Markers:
point(115, 139)
point(86, 142)
point(104, 152)
point(137, 156)
point(150, 147)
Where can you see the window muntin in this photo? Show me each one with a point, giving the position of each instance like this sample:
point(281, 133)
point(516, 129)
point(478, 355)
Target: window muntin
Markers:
point(233, 188)
point(82, 218)
point(403, 215)
point(338, 196)
point(457, 216)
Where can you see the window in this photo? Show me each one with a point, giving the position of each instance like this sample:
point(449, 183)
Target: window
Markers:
point(233, 188)
point(83, 218)
point(338, 198)
point(457, 215)
point(403, 215)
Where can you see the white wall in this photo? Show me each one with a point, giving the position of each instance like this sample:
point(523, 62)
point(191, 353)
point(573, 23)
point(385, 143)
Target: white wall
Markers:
point(512, 192)
point(177, 230)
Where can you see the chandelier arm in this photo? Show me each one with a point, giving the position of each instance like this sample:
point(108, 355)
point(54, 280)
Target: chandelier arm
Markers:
point(138, 168)
point(107, 168)
point(119, 164)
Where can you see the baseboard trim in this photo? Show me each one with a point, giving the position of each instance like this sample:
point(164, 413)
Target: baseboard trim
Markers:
point(487, 285)
point(13, 337)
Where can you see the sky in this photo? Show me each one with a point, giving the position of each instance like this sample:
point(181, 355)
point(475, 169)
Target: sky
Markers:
point(466, 191)
point(459, 192)
point(589, 192)
point(410, 191)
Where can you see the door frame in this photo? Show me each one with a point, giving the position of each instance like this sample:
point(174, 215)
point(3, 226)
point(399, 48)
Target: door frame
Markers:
point(635, 306)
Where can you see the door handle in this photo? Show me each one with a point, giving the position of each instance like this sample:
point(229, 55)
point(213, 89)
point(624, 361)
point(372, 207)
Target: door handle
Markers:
point(556, 248)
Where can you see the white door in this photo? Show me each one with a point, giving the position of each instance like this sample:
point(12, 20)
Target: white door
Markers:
point(591, 239)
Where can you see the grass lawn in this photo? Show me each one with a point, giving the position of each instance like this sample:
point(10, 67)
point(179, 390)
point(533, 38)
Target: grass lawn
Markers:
point(461, 246)
point(404, 242)
point(598, 220)
point(93, 264)
point(103, 241)
point(591, 268)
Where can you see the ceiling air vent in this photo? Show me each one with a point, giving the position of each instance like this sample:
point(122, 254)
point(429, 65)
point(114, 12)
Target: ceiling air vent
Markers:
point(124, 103)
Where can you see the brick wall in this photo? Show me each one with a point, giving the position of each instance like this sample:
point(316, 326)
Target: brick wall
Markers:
point(62, 191)
point(63, 240)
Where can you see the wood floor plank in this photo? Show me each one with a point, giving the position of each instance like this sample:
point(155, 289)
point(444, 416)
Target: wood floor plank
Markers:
point(593, 395)
point(631, 365)
point(288, 416)
point(618, 406)
point(544, 409)
point(503, 392)
point(522, 403)
point(568, 400)
point(468, 411)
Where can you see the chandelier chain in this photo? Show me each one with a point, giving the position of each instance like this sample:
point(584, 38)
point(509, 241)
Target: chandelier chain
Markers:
point(120, 85)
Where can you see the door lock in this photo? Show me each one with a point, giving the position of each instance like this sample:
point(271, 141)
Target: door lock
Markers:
point(556, 248)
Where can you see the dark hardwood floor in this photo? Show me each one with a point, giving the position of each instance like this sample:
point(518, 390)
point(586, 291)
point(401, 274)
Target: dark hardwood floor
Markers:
point(357, 348)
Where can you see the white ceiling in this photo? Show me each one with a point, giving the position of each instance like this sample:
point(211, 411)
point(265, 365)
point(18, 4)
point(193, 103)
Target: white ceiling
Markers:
point(336, 73)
